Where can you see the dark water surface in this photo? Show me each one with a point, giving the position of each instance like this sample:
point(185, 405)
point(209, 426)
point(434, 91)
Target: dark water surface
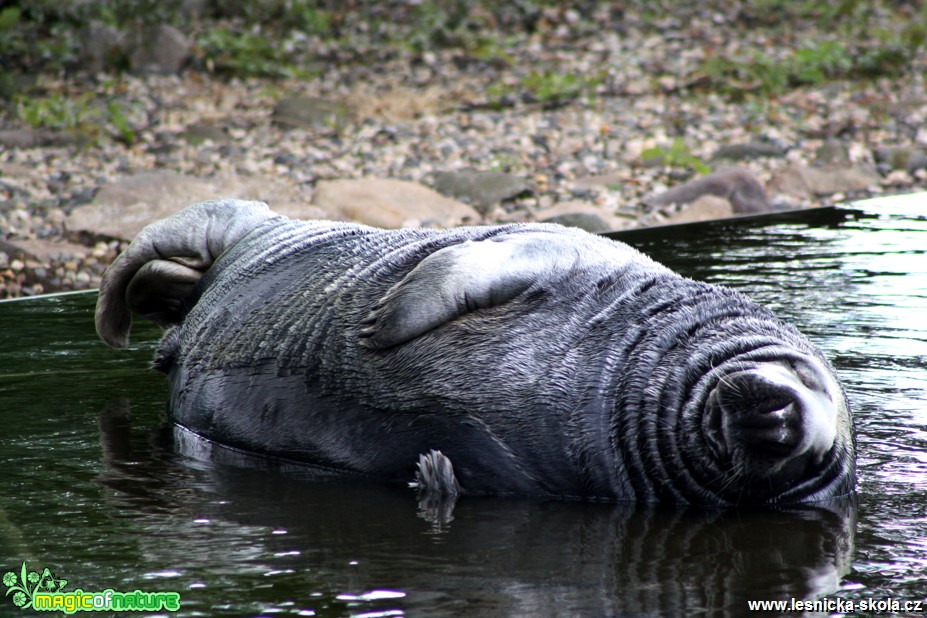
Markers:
point(95, 487)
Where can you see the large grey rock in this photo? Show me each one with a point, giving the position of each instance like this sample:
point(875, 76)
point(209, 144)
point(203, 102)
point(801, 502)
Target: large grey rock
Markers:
point(481, 189)
point(27, 137)
point(737, 185)
point(390, 203)
point(905, 158)
point(123, 208)
point(158, 49)
point(801, 181)
point(42, 250)
point(102, 47)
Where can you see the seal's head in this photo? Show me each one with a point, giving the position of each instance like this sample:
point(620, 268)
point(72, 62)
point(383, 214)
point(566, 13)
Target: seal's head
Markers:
point(777, 425)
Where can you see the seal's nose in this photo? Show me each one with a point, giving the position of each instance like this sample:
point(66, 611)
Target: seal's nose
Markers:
point(773, 414)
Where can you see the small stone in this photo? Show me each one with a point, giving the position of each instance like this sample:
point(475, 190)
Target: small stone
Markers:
point(604, 180)
point(921, 137)
point(584, 215)
point(308, 113)
point(199, 132)
point(590, 222)
point(750, 150)
point(832, 152)
point(482, 189)
point(705, 208)
point(897, 178)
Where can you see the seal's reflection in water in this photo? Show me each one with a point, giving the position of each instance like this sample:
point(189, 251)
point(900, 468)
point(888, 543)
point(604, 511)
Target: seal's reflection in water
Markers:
point(484, 556)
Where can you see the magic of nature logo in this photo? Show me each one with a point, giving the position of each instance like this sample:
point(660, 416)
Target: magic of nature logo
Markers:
point(44, 592)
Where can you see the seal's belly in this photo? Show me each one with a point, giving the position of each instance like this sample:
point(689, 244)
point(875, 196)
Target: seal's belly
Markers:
point(272, 412)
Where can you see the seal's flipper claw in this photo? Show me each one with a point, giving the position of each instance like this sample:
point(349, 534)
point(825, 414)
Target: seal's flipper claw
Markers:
point(435, 475)
point(437, 486)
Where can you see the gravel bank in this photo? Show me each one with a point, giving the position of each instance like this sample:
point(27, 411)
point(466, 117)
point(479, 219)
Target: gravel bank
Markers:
point(635, 119)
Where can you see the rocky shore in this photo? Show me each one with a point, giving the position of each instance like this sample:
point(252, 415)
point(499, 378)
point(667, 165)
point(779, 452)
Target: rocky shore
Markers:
point(639, 134)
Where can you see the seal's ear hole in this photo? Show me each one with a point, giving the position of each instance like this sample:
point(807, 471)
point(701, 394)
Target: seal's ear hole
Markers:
point(158, 290)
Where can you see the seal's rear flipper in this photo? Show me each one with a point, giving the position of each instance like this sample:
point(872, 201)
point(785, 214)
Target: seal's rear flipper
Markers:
point(165, 260)
point(465, 277)
point(158, 289)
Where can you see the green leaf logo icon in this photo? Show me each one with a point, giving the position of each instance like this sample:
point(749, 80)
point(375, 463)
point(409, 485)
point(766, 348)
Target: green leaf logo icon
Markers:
point(24, 585)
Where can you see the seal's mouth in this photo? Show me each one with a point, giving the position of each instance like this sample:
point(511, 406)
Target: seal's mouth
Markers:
point(774, 422)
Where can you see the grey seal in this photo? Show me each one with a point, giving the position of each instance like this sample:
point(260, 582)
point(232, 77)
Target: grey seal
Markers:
point(521, 359)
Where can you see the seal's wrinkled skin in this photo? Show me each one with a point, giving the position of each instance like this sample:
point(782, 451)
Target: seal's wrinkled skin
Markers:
point(523, 359)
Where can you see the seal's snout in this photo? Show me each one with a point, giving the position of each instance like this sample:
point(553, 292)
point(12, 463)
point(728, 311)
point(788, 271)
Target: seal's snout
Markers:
point(775, 417)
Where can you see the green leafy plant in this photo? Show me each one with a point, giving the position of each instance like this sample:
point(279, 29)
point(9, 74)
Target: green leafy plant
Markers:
point(865, 39)
point(124, 131)
point(54, 112)
point(551, 86)
point(439, 24)
point(9, 18)
point(249, 54)
point(816, 63)
point(302, 15)
point(78, 115)
point(677, 155)
point(492, 50)
point(556, 86)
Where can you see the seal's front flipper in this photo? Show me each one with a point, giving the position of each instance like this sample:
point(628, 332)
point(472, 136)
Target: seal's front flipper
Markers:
point(437, 486)
point(435, 475)
point(462, 278)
